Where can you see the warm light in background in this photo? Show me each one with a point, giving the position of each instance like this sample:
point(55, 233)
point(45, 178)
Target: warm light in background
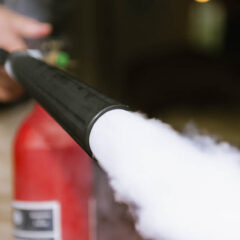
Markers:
point(207, 25)
point(202, 1)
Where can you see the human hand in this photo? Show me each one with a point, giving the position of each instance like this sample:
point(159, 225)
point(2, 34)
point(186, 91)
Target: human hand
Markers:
point(13, 28)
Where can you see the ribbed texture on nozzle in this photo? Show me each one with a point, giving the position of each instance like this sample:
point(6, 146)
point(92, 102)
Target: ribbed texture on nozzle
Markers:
point(74, 105)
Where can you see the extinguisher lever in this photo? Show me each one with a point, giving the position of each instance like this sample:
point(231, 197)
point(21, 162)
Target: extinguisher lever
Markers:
point(74, 105)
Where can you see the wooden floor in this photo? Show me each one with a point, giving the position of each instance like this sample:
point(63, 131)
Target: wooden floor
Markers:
point(9, 122)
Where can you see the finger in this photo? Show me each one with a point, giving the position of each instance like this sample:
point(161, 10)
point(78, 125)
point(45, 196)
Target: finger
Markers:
point(9, 88)
point(13, 43)
point(9, 95)
point(30, 28)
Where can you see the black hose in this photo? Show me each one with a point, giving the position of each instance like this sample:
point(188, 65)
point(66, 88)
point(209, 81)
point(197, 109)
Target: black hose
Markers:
point(73, 104)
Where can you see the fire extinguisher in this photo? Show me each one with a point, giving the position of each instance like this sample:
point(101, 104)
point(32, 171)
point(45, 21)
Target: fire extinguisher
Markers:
point(53, 176)
point(52, 182)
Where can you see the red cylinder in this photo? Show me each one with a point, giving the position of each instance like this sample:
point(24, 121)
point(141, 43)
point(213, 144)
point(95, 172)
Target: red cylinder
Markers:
point(52, 182)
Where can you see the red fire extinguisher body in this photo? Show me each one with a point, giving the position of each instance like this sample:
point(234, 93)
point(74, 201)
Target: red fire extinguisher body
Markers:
point(52, 182)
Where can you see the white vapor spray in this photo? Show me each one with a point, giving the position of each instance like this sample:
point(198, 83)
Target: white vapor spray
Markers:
point(183, 188)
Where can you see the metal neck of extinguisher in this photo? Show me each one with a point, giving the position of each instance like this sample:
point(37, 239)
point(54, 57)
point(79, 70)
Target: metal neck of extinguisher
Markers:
point(72, 103)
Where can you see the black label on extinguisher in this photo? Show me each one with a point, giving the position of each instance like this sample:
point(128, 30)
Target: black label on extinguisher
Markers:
point(36, 220)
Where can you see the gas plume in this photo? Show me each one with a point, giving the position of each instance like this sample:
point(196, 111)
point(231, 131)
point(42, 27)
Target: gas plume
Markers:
point(181, 187)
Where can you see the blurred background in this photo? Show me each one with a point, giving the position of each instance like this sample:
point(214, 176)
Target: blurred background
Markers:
point(154, 54)
point(177, 60)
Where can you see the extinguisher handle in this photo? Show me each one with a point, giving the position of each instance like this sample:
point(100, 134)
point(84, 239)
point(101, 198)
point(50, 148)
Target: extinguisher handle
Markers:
point(74, 105)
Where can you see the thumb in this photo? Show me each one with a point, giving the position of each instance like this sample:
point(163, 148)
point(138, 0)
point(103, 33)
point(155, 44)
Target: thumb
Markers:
point(30, 28)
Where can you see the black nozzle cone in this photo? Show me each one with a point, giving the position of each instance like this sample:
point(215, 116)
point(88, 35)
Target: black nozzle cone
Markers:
point(74, 105)
point(3, 56)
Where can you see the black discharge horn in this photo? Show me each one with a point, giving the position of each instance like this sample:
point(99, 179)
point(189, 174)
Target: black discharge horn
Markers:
point(72, 103)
